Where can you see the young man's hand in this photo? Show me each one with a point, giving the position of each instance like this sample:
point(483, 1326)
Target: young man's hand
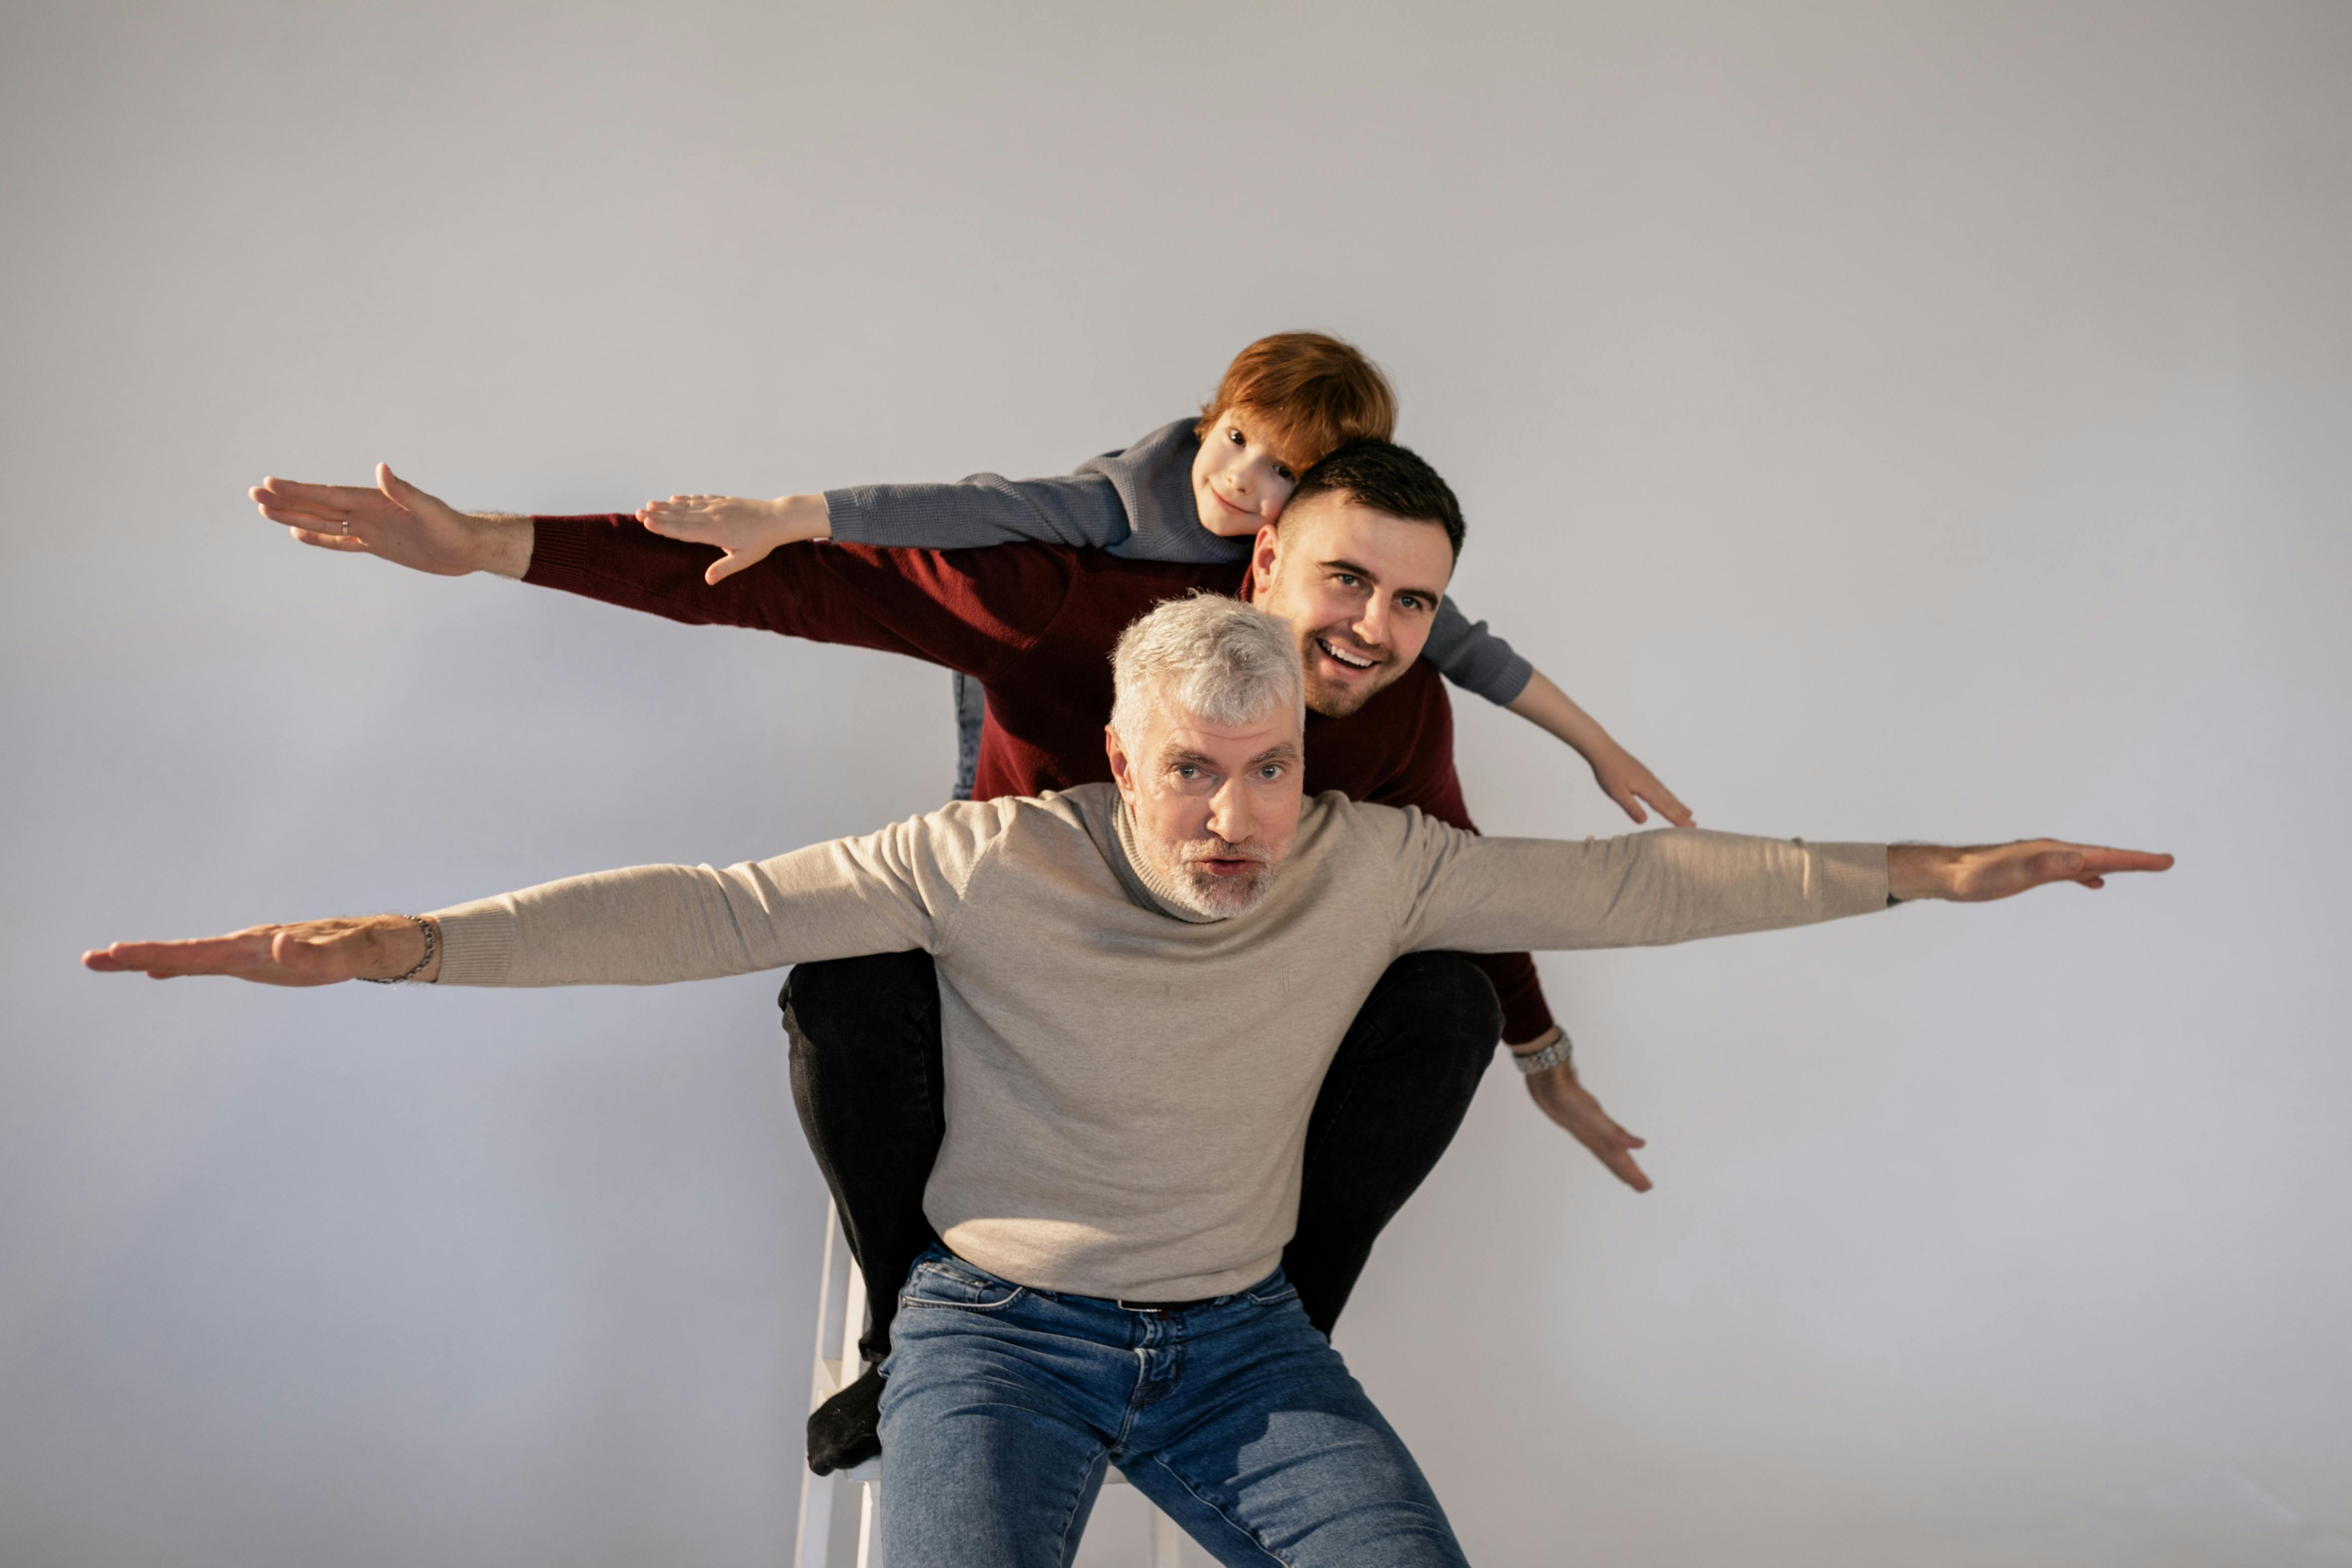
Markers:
point(1623, 779)
point(311, 953)
point(398, 522)
point(1983, 872)
point(746, 530)
point(1570, 1104)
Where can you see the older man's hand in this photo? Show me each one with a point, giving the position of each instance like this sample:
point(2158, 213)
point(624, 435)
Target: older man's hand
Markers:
point(1570, 1104)
point(1983, 872)
point(312, 953)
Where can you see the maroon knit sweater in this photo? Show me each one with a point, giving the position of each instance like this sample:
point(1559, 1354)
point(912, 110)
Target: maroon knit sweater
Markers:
point(1035, 624)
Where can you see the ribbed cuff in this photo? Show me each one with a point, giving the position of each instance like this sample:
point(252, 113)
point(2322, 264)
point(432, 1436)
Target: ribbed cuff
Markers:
point(1853, 878)
point(845, 522)
point(478, 942)
point(561, 546)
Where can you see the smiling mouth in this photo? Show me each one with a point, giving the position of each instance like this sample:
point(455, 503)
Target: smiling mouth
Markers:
point(1237, 511)
point(1345, 661)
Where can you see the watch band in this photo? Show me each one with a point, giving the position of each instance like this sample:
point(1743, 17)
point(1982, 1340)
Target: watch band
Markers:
point(1558, 1053)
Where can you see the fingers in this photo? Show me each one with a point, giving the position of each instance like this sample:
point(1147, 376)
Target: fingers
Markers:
point(293, 492)
point(1626, 1168)
point(1630, 803)
point(1671, 809)
point(726, 566)
point(235, 952)
point(334, 541)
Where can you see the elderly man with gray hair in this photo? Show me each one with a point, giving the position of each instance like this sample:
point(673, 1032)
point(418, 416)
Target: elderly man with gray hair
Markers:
point(1142, 983)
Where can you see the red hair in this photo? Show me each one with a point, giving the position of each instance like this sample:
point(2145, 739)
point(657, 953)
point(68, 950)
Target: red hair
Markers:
point(1312, 394)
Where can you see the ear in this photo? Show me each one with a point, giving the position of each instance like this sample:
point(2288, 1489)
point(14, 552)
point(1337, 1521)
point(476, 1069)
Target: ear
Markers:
point(1121, 773)
point(1263, 555)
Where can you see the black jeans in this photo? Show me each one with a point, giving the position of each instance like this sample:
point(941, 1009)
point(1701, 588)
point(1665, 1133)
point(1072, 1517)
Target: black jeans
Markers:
point(870, 1085)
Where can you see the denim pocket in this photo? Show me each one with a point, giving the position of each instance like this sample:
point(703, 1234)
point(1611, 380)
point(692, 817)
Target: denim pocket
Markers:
point(1277, 1296)
point(950, 1282)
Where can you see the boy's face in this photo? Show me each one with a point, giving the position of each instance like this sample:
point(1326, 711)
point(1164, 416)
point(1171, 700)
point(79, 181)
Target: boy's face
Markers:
point(1359, 587)
point(1239, 482)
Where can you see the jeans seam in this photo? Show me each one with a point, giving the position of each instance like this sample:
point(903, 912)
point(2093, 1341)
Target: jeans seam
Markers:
point(906, 1301)
point(1062, 1542)
point(1251, 1535)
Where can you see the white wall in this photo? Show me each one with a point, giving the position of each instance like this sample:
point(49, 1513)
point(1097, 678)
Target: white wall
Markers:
point(1893, 419)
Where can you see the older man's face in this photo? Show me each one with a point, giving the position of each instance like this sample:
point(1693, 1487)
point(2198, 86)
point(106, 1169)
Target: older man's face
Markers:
point(1359, 587)
point(1215, 805)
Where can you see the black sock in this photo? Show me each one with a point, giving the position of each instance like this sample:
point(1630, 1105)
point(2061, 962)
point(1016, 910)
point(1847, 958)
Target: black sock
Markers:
point(846, 1431)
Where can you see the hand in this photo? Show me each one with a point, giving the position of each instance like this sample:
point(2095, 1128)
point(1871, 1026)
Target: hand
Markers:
point(1567, 1101)
point(1986, 871)
point(398, 522)
point(1623, 779)
point(313, 953)
point(746, 530)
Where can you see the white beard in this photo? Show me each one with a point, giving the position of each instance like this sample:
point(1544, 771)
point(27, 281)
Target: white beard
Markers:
point(1220, 897)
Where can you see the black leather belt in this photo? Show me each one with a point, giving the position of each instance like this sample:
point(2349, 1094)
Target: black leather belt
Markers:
point(1167, 1306)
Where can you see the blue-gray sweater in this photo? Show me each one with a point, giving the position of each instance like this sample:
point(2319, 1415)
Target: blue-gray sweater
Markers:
point(1138, 504)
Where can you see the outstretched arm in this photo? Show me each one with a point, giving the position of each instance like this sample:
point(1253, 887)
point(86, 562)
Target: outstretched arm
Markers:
point(1618, 771)
point(1082, 511)
point(1651, 889)
point(1478, 661)
point(644, 926)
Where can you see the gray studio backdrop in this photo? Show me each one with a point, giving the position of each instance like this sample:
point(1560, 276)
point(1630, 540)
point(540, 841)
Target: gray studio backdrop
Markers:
point(1893, 420)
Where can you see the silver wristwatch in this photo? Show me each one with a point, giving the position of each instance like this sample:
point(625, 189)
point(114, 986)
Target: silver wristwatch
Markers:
point(1558, 1053)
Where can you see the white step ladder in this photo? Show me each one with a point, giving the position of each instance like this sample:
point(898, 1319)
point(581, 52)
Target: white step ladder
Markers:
point(841, 1514)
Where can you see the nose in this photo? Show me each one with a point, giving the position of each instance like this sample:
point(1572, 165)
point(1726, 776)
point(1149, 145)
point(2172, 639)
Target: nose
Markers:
point(1229, 813)
point(1373, 625)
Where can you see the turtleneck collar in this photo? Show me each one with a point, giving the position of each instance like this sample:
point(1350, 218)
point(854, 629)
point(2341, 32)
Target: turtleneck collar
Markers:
point(1143, 883)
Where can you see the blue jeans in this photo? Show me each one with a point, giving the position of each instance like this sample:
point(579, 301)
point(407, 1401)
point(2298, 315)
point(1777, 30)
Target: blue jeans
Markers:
point(1005, 1405)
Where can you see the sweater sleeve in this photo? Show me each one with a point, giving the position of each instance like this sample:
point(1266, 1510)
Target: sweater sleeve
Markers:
point(1430, 783)
point(1082, 511)
point(1641, 890)
point(971, 610)
point(649, 925)
point(1474, 658)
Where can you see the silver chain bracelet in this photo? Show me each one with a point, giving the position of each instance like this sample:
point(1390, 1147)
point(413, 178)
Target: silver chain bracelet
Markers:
point(422, 925)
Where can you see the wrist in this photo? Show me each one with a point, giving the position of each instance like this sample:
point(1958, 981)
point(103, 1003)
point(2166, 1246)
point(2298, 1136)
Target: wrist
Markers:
point(803, 517)
point(1919, 870)
point(503, 543)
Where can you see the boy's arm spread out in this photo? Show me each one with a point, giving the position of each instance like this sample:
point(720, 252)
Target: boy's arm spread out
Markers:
point(646, 926)
point(1474, 658)
point(1136, 503)
point(1648, 889)
point(969, 612)
point(1082, 511)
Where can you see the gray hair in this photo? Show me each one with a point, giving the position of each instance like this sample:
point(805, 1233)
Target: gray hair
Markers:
point(1208, 656)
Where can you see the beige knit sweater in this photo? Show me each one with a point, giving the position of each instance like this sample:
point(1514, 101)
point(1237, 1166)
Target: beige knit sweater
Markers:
point(1127, 1085)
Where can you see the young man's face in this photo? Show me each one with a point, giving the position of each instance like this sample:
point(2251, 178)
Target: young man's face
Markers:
point(1239, 482)
point(1360, 589)
point(1215, 805)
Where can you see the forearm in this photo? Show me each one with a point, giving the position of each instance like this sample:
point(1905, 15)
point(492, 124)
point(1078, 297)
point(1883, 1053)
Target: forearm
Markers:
point(1641, 890)
point(1548, 708)
point(1080, 510)
point(648, 925)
